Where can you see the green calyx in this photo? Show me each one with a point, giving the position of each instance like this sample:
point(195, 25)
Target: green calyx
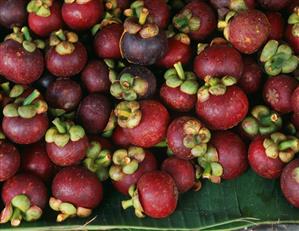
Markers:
point(142, 26)
point(113, 8)
point(129, 87)
point(63, 132)
point(134, 202)
point(76, 1)
point(237, 5)
point(278, 58)
point(108, 130)
point(223, 24)
point(278, 145)
point(63, 41)
point(211, 168)
point(22, 35)
point(294, 17)
point(18, 209)
point(177, 77)
point(26, 108)
point(128, 114)
point(98, 160)
point(214, 86)
point(196, 137)
point(186, 22)
point(67, 210)
point(125, 162)
point(262, 121)
point(40, 7)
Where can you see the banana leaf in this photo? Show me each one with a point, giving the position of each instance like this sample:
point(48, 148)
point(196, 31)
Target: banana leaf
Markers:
point(244, 202)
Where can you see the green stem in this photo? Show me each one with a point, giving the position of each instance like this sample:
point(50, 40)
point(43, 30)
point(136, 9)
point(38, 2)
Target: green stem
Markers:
point(179, 69)
point(59, 125)
point(30, 98)
point(127, 204)
point(16, 217)
point(26, 33)
point(143, 16)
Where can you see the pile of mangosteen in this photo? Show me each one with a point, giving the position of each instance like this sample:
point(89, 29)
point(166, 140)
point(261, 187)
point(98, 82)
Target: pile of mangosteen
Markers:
point(150, 97)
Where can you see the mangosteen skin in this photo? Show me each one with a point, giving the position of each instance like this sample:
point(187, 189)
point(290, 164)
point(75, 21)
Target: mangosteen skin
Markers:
point(182, 171)
point(176, 52)
point(78, 186)
point(13, 13)
point(175, 137)
point(262, 164)
point(207, 16)
point(274, 4)
point(27, 184)
point(95, 77)
point(157, 193)
point(153, 125)
point(249, 30)
point(66, 65)
point(35, 160)
point(251, 78)
point(19, 65)
point(9, 160)
point(144, 73)
point(292, 39)
point(278, 91)
point(147, 165)
point(288, 184)
point(120, 138)
point(82, 16)
point(277, 25)
point(71, 154)
point(64, 94)
point(295, 100)
point(43, 26)
point(142, 51)
point(218, 61)
point(224, 111)
point(177, 100)
point(158, 12)
point(106, 41)
point(232, 153)
point(94, 112)
point(25, 131)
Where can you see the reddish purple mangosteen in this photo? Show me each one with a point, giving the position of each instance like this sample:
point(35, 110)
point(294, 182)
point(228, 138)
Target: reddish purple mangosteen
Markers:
point(21, 60)
point(94, 113)
point(179, 50)
point(221, 105)
point(106, 41)
point(180, 88)
point(9, 159)
point(66, 143)
point(82, 14)
point(95, 77)
point(289, 182)
point(187, 137)
point(88, 193)
point(35, 160)
point(128, 165)
point(145, 124)
point(155, 195)
point(64, 93)
point(197, 19)
point(66, 56)
point(134, 82)
point(268, 155)
point(182, 171)
point(247, 30)
point(44, 17)
point(25, 197)
point(278, 91)
point(25, 119)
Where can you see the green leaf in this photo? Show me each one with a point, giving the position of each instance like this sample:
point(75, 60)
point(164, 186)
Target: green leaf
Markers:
point(244, 202)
